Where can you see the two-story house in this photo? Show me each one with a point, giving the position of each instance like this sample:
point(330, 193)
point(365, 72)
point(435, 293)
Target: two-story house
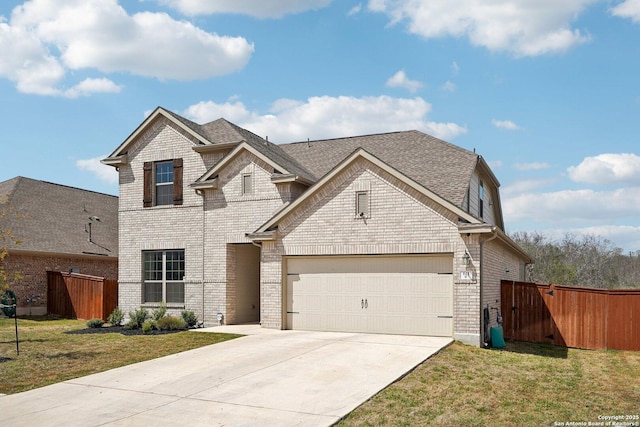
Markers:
point(398, 233)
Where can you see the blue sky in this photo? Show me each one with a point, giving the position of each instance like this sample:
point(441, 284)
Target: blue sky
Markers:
point(547, 91)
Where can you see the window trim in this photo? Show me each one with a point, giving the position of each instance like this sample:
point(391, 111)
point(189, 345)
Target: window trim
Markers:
point(164, 281)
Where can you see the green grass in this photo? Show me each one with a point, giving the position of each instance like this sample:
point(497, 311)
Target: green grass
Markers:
point(49, 353)
point(524, 384)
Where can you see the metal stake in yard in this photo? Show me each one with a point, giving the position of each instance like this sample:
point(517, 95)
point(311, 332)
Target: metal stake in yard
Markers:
point(9, 306)
point(15, 316)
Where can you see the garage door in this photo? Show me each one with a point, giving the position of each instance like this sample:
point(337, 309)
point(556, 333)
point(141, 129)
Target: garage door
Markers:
point(410, 295)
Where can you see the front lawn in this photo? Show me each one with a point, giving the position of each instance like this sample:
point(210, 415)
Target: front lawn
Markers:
point(52, 350)
point(524, 384)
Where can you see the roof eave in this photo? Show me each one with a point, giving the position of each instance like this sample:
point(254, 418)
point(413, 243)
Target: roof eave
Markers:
point(262, 236)
point(282, 178)
point(210, 184)
point(212, 148)
point(115, 161)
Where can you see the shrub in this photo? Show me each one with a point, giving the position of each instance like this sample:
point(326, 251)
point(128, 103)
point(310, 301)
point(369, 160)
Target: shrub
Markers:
point(189, 318)
point(137, 318)
point(147, 326)
point(171, 323)
point(116, 317)
point(159, 312)
point(95, 323)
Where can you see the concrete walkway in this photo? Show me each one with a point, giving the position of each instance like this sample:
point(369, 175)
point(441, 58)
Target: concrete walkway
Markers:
point(280, 378)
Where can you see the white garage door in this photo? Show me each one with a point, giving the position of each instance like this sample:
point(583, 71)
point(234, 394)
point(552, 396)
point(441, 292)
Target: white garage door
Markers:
point(410, 295)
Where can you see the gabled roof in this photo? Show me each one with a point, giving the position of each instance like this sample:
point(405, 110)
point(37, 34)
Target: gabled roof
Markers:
point(56, 218)
point(362, 153)
point(443, 168)
point(218, 132)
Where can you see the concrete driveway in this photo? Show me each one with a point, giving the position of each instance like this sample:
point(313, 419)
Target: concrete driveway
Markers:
point(282, 378)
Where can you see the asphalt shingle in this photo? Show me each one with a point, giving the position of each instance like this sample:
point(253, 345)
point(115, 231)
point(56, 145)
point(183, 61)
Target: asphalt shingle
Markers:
point(56, 218)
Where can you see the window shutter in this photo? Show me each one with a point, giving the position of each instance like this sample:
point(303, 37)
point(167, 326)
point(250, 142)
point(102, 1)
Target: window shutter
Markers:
point(177, 181)
point(147, 199)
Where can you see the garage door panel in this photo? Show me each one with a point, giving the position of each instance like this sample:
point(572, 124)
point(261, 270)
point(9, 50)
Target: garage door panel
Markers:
point(359, 300)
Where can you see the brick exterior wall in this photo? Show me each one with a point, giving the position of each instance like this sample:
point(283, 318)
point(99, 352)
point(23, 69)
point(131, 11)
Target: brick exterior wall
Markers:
point(498, 263)
point(401, 221)
point(31, 291)
point(210, 223)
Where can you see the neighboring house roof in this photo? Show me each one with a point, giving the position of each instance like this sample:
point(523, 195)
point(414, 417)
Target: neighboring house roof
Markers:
point(443, 168)
point(57, 219)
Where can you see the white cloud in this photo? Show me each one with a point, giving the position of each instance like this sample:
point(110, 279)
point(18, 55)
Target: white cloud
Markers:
point(628, 9)
point(607, 169)
point(355, 10)
point(505, 124)
point(455, 68)
point(105, 173)
point(328, 117)
point(449, 86)
point(45, 39)
point(534, 166)
point(400, 79)
point(259, 9)
point(524, 186)
point(567, 206)
point(523, 27)
point(91, 86)
point(495, 164)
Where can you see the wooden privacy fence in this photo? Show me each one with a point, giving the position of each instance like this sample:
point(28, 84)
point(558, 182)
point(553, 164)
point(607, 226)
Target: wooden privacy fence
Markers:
point(570, 316)
point(79, 296)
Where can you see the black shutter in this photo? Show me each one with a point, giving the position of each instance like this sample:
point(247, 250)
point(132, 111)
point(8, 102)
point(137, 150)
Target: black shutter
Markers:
point(177, 181)
point(147, 199)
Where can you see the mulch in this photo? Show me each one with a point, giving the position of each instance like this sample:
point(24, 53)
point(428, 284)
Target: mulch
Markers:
point(118, 330)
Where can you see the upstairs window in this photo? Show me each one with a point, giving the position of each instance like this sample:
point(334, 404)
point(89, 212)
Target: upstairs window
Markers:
point(481, 199)
point(163, 183)
point(362, 204)
point(247, 184)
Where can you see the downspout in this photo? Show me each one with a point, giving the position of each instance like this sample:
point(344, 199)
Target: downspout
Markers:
point(482, 242)
point(201, 193)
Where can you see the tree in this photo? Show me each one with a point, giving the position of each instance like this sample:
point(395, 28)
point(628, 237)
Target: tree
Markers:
point(589, 261)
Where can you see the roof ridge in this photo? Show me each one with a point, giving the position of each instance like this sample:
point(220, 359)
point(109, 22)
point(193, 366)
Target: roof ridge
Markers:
point(24, 178)
point(351, 137)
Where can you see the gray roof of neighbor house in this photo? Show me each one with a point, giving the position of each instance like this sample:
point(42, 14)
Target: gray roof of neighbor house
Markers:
point(57, 219)
point(437, 165)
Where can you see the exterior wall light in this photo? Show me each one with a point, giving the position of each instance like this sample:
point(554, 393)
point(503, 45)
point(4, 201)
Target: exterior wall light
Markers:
point(466, 258)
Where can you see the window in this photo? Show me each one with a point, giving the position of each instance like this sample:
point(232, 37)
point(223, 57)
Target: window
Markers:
point(362, 204)
point(481, 199)
point(163, 273)
point(247, 184)
point(162, 183)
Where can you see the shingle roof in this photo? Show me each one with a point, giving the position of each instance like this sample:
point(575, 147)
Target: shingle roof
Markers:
point(437, 165)
point(56, 217)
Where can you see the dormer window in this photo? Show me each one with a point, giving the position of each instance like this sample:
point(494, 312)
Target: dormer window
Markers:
point(247, 184)
point(362, 204)
point(163, 183)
